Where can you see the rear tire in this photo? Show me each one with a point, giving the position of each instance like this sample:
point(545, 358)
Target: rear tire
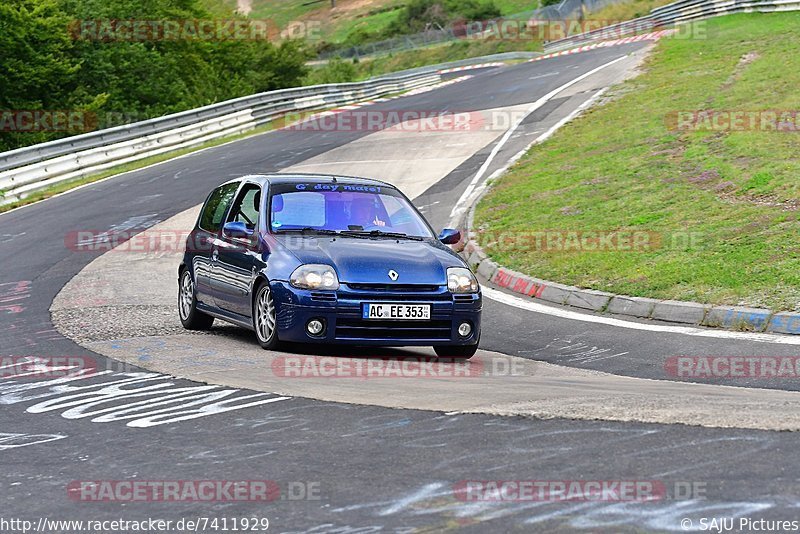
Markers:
point(265, 320)
point(191, 317)
point(456, 352)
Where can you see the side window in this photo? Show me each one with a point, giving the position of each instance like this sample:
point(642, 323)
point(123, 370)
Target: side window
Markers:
point(247, 206)
point(216, 205)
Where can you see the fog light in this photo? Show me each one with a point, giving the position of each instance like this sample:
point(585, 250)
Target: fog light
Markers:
point(464, 329)
point(315, 327)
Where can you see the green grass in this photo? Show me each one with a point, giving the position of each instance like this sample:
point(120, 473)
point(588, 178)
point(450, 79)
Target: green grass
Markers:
point(627, 10)
point(335, 25)
point(621, 167)
point(372, 23)
point(512, 7)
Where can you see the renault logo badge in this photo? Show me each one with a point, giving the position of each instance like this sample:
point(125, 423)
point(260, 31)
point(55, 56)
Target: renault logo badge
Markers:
point(393, 275)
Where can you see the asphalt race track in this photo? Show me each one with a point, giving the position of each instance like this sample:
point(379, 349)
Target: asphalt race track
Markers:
point(350, 467)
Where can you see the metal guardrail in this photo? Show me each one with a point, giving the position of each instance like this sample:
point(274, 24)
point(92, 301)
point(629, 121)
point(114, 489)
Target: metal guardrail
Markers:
point(679, 12)
point(503, 56)
point(29, 169)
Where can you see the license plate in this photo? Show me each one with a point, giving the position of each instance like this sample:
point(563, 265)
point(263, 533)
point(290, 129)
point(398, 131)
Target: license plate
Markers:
point(388, 311)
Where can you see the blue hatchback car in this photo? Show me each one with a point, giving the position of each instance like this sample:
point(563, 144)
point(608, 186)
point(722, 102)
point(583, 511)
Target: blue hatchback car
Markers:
point(327, 259)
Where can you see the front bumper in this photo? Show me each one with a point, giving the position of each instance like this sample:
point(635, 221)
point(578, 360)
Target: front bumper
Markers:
point(340, 311)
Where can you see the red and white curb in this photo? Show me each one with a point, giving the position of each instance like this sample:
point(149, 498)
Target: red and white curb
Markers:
point(760, 324)
point(652, 36)
point(473, 67)
point(421, 90)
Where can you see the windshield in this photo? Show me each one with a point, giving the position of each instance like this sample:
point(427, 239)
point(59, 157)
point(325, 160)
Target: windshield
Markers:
point(344, 208)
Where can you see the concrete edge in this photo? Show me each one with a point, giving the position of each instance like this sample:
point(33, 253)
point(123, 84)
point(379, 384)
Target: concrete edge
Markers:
point(735, 318)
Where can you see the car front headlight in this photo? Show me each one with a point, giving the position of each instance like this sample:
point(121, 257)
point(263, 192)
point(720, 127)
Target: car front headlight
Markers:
point(314, 276)
point(461, 280)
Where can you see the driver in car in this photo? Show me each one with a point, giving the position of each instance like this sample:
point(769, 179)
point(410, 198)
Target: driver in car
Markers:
point(364, 214)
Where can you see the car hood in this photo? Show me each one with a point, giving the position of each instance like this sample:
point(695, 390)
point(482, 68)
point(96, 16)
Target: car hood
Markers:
point(368, 261)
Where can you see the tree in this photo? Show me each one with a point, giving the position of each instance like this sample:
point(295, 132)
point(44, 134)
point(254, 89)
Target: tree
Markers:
point(69, 54)
point(37, 69)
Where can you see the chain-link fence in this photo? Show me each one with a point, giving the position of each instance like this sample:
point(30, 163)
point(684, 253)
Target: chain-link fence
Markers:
point(567, 9)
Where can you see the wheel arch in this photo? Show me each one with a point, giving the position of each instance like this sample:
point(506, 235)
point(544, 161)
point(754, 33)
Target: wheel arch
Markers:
point(258, 281)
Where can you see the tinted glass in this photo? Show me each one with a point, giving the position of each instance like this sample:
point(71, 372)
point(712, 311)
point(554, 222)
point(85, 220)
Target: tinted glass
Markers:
point(216, 206)
point(343, 207)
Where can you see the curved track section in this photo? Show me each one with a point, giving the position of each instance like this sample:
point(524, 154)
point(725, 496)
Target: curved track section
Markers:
point(375, 469)
point(123, 306)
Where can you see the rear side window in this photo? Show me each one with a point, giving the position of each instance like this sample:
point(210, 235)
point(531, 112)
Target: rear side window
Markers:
point(216, 206)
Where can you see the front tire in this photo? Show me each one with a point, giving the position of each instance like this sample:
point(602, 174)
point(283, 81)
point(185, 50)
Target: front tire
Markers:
point(456, 352)
point(191, 317)
point(265, 318)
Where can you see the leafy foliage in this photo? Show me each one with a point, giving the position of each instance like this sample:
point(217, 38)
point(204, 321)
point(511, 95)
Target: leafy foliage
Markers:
point(422, 15)
point(37, 68)
point(45, 64)
point(336, 71)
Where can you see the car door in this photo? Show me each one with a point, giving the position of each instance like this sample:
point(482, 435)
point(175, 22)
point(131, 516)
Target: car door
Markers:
point(237, 258)
point(202, 243)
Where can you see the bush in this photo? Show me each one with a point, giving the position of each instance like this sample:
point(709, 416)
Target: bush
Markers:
point(422, 15)
point(43, 67)
point(337, 70)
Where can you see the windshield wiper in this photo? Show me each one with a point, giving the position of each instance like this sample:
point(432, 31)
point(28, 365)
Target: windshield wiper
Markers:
point(308, 230)
point(380, 233)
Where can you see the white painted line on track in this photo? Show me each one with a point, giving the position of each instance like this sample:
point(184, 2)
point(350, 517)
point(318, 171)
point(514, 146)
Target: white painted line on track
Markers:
point(543, 75)
point(478, 190)
point(462, 204)
point(528, 305)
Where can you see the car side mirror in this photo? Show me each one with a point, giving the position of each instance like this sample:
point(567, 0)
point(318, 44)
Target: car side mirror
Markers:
point(236, 229)
point(450, 236)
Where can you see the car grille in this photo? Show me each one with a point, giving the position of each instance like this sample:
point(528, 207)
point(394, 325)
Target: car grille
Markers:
point(323, 296)
point(411, 288)
point(394, 293)
point(362, 329)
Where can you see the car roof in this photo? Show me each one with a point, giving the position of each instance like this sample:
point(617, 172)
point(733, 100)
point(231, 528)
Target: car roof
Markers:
point(278, 178)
